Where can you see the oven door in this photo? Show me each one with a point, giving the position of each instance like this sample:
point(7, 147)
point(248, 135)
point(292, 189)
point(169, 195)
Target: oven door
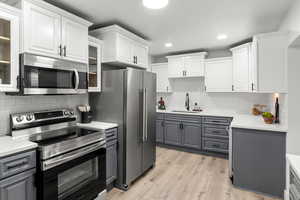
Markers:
point(42, 75)
point(82, 178)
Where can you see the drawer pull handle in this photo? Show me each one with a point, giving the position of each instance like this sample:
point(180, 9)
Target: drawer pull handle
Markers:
point(217, 132)
point(216, 145)
point(9, 167)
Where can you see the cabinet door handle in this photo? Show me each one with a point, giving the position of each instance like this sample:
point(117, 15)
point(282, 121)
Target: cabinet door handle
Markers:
point(232, 87)
point(252, 85)
point(60, 50)
point(65, 51)
point(167, 88)
point(136, 60)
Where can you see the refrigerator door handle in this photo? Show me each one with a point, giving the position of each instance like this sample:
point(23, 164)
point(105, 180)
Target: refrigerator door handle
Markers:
point(145, 115)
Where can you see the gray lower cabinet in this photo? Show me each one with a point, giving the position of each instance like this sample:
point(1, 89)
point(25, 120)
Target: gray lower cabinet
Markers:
point(160, 131)
point(259, 160)
point(111, 163)
point(191, 135)
point(209, 134)
point(17, 174)
point(173, 133)
point(111, 155)
point(19, 187)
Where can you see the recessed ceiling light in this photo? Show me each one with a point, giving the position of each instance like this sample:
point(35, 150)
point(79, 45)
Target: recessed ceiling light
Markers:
point(168, 45)
point(155, 4)
point(222, 37)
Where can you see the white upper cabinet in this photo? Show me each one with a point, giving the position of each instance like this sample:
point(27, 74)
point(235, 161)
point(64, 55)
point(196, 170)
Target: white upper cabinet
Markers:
point(176, 67)
point(161, 71)
point(53, 32)
point(42, 30)
point(241, 57)
point(186, 65)
point(270, 61)
point(218, 75)
point(95, 54)
point(73, 31)
point(123, 47)
point(9, 47)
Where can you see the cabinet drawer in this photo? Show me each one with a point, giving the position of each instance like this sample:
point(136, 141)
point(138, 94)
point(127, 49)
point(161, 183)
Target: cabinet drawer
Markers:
point(215, 145)
point(217, 120)
point(216, 131)
point(160, 116)
point(184, 118)
point(111, 134)
point(18, 163)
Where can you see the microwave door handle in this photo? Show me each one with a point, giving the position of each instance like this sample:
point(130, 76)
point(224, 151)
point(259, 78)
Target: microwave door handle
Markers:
point(76, 79)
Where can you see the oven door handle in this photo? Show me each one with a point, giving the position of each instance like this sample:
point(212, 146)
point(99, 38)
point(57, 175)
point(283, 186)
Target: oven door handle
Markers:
point(77, 79)
point(48, 164)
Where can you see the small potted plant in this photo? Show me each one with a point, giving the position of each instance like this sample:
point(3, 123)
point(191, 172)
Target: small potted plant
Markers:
point(268, 117)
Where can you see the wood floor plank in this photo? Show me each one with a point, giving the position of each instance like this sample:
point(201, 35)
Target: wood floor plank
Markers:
point(185, 176)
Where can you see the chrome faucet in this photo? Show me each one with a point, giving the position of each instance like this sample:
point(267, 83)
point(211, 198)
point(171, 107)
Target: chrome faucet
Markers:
point(187, 102)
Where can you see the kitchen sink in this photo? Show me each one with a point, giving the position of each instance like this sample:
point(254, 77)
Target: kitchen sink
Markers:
point(185, 111)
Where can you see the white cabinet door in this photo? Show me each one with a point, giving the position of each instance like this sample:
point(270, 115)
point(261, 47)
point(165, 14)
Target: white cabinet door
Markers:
point(218, 75)
point(74, 40)
point(194, 66)
point(176, 67)
point(141, 53)
point(9, 48)
point(42, 31)
point(124, 49)
point(241, 67)
point(161, 71)
point(271, 61)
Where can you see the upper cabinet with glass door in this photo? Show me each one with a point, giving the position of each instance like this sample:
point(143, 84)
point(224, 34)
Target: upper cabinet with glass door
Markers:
point(95, 53)
point(9, 47)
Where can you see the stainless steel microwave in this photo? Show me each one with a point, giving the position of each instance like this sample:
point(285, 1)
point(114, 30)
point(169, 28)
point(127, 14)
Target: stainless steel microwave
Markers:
point(41, 75)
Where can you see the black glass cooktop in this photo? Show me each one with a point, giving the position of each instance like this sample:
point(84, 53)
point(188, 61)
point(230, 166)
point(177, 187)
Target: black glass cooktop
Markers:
point(60, 135)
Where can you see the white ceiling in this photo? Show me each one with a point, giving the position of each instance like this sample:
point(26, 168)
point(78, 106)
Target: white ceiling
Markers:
point(188, 24)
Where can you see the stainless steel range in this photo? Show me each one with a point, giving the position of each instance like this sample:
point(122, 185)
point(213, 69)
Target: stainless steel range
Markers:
point(71, 160)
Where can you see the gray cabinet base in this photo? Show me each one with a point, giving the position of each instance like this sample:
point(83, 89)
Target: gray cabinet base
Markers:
point(189, 150)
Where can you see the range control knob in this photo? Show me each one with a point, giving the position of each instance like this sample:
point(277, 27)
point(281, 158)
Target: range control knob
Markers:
point(19, 118)
point(66, 113)
point(72, 113)
point(29, 117)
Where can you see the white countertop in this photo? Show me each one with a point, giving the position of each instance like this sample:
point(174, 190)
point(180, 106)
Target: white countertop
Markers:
point(294, 160)
point(98, 125)
point(246, 121)
point(9, 146)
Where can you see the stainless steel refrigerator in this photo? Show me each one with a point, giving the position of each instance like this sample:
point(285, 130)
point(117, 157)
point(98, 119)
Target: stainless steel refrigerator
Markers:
point(128, 98)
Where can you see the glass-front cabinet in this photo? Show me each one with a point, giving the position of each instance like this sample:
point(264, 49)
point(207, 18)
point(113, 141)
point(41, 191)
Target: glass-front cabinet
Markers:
point(95, 52)
point(9, 47)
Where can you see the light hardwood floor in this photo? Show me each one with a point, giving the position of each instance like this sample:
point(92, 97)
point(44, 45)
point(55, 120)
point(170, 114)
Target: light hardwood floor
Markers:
point(185, 176)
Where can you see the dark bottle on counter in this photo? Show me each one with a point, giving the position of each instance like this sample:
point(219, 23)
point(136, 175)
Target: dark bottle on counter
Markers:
point(277, 112)
point(161, 104)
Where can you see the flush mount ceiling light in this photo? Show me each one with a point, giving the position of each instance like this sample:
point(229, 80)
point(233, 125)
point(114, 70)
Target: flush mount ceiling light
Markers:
point(168, 45)
point(155, 4)
point(222, 37)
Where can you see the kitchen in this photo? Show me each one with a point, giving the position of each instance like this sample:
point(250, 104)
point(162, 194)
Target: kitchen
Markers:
point(139, 100)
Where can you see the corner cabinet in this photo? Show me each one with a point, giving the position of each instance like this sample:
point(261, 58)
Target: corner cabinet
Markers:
point(218, 75)
point(53, 32)
point(122, 47)
point(161, 71)
point(95, 52)
point(9, 47)
point(186, 65)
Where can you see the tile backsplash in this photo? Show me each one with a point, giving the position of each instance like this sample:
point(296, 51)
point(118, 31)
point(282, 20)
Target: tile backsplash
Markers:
point(15, 104)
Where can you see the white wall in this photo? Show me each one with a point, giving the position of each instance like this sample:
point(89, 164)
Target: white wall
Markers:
point(241, 103)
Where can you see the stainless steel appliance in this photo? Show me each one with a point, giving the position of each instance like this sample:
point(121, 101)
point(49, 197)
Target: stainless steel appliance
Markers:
point(43, 75)
point(71, 160)
point(128, 98)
